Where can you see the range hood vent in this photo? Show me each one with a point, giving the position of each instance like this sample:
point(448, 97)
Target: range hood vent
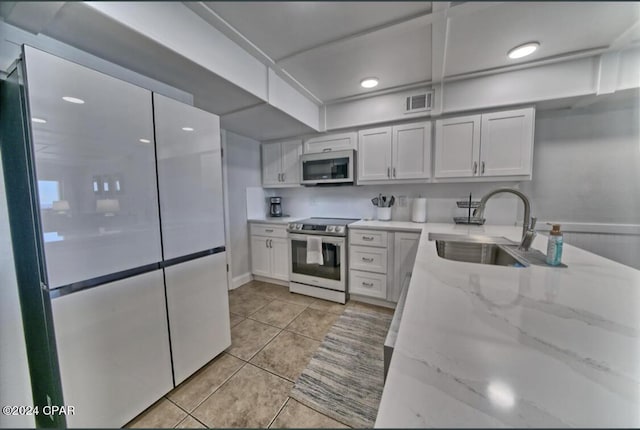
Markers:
point(419, 102)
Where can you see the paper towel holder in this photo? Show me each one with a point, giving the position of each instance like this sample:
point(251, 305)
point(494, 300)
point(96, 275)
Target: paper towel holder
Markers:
point(419, 210)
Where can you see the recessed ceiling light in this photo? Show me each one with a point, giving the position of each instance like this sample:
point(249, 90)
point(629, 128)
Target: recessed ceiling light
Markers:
point(73, 100)
point(187, 128)
point(39, 120)
point(523, 50)
point(369, 82)
point(145, 141)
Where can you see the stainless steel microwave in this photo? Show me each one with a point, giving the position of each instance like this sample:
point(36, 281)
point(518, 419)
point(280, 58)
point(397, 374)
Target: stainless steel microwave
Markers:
point(334, 167)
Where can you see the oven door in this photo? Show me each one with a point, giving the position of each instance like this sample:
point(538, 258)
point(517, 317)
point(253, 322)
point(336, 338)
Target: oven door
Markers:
point(327, 168)
point(331, 274)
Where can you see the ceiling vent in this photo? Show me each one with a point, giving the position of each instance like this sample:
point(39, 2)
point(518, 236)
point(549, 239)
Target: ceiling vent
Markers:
point(419, 102)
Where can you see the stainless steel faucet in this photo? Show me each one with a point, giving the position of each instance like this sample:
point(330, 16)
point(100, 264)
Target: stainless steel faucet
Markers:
point(528, 232)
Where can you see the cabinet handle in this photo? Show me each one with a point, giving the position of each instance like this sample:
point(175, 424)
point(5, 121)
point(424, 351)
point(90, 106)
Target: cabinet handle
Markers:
point(475, 167)
point(270, 243)
point(268, 230)
point(482, 169)
point(368, 260)
point(284, 175)
point(394, 172)
point(367, 237)
point(326, 150)
point(266, 243)
point(388, 172)
point(367, 284)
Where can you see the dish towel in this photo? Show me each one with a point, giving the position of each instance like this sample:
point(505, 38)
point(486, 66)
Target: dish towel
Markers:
point(314, 250)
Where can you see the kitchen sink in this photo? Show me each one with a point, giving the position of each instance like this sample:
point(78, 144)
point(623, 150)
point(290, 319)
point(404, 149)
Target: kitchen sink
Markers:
point(497, 251)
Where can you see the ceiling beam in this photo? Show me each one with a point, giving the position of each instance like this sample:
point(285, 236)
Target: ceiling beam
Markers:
point(32, 16)
point(626, 37)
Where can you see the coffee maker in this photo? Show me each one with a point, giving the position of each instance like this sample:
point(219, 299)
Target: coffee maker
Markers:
point(275, 209)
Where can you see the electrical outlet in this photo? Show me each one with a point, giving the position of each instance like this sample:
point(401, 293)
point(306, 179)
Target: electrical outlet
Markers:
point(402, 202)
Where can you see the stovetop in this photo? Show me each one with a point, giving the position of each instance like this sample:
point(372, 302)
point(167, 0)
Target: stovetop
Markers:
point(326, 226)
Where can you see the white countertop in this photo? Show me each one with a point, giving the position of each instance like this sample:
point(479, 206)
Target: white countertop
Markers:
point(274, 220)
point(490, 346)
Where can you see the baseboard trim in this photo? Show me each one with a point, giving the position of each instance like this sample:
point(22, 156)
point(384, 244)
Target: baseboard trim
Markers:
point(271, 280)
point(241, 280)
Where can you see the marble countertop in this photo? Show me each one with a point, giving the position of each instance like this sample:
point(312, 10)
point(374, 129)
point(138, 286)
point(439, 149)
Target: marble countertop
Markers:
point(274, 220)
point(491, 346)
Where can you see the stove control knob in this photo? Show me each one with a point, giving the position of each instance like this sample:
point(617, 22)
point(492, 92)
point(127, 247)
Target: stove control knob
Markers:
point(330, 228)
point(299, 226)
point(339, 229)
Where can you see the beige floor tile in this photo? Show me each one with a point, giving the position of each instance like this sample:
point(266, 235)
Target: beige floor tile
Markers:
point(236, 319)
point(327, 306)
point(198, 387)
point(365, 307)
point(245, 304)
point(251, 398)
point(249, 337)
point(287, 355)
point(190, 423)
point(278, 313)
point(313, 323)
point(296, 415)
point(163, 414)
point(282, 293)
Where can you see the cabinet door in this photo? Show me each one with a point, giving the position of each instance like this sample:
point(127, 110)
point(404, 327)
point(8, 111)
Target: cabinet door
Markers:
point(412, 151)
point(279, 249)
point(271, 163)
point(260, 264)
point(332, 142)
point(405, 249)
point(198, 306)
point(457, 147)
point(291, 151)
point(507, 143)
point(374, 154)
point(113, 349)
point(189, 178)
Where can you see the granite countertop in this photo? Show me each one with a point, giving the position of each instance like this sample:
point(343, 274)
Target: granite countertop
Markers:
point(274, 220)
point(491, 346)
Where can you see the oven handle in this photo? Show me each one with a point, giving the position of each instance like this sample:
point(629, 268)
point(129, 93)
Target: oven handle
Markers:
point(325, 239)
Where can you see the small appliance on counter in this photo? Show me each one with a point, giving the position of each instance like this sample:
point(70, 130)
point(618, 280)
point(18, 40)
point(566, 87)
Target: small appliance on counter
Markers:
point(275, 207)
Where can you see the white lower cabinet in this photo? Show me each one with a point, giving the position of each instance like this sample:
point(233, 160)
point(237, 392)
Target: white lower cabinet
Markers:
point(198, 306)
point(113, 350)
point(270, 251)
point(379, 261)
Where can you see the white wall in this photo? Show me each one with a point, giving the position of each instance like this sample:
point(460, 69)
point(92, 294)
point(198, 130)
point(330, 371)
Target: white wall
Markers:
point(243, 170)
point(15, 383)
point(586, 174)
point(355, 201)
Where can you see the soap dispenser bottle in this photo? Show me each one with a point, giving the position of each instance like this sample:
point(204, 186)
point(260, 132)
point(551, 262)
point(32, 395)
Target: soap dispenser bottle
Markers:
point(554, 246)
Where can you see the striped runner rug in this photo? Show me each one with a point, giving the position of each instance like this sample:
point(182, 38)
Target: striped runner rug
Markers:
point(345, 376)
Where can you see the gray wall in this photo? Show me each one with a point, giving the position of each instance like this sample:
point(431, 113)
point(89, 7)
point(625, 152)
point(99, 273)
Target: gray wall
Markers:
point(586, 165)
point(243, 170)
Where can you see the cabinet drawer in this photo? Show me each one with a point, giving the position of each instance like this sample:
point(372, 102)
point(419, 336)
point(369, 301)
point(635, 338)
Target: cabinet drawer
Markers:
point(368, 284)
point(368, 258)
point(368, 238)
point(269, 230)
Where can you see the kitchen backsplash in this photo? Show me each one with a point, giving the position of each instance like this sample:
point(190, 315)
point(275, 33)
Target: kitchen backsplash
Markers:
point(355, 201)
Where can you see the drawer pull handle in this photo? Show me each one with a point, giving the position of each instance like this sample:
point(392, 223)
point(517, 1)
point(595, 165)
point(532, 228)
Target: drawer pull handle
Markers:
point(367, 259)
point(367, 238)
point(269, 230)
point(367, 284)
point(326, 150)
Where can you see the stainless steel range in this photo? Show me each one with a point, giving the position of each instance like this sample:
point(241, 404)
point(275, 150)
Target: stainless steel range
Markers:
point(319, 257)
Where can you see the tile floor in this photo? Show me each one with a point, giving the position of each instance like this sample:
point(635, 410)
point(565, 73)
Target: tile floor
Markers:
point(274, 333)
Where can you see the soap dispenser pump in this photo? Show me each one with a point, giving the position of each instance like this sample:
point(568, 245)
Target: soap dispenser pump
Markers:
point(554, 246)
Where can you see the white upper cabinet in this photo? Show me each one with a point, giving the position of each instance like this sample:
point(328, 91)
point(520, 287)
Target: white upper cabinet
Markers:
point(374, 154)
point(398, 153)
point(189, 177)
point(457, 147)
point(411, 151)
point(492, 145)
point(507, 143)
point(281, 163)
point(332, 142)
